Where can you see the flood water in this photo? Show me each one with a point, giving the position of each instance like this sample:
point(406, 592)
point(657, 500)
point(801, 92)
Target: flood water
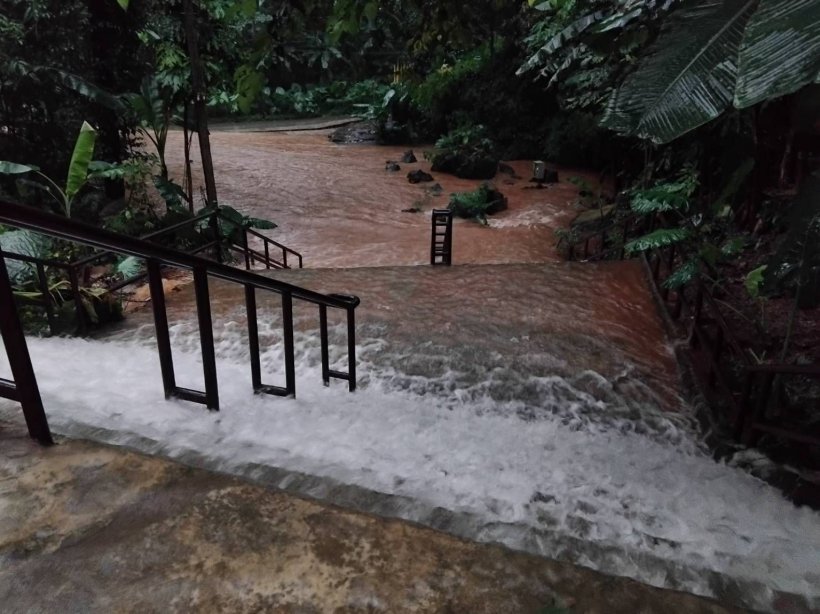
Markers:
point(511, 398)
point(338, 206)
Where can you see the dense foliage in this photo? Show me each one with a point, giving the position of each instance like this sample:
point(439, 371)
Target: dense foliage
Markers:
point(705, 111)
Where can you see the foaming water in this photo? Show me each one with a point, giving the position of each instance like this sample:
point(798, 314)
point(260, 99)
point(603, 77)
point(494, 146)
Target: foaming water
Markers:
point(513, 432)
point(531, 404)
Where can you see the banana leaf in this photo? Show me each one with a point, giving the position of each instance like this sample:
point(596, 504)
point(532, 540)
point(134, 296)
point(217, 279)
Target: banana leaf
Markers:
point(80, 160)
point(688, 77)
point(781, 51)
point(12, 168)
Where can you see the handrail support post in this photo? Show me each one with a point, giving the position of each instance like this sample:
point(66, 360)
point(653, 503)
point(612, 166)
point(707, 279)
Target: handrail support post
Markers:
point(206, 337)
point(25, 381)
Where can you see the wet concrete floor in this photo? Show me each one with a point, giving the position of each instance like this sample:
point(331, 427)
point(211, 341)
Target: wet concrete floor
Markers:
point(86, 527)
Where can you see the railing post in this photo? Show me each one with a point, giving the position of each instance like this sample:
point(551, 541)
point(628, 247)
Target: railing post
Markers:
point(14, 340)
point(717, 351)
point(246, 250)
point(253, 337)
point(351, 348)
point(745, 398)
point(670, 262)
point(42, 281)
point(324, 342)
point(656, 267)
point(74, 280)
point(677, 310)
point(206, 337)
point(267, 255)
point(693, 334)
point(290, 361)
point(622, 251)
point(765, 391)
point(214, 223)
point(166, 359)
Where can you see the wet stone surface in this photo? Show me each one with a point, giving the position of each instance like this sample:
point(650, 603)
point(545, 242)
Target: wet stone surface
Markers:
point(86, 527)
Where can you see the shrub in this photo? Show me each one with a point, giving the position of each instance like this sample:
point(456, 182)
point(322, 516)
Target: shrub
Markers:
point(466, 152)
point(478, 204)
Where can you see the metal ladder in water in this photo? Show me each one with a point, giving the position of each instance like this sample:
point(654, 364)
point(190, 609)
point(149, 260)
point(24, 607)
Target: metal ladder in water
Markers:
point(441, 245)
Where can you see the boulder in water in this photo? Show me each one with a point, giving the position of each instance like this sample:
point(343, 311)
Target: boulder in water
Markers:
point(419, 176)
point(409, 157)
point(466, 167)
point(392, 166)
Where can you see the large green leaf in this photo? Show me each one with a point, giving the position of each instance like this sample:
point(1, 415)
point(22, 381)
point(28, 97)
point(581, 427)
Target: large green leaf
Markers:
point(12, 168)
point(249, 84)
point(781, 51)
point(689, 76)
point(80, 160)
point(657, 239)
point(563, 37)
point(81, 86)
point(27, 243)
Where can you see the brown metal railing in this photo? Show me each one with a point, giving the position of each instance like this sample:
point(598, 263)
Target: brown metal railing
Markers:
point(74, 271)
point(747, 387)
point(23, 388)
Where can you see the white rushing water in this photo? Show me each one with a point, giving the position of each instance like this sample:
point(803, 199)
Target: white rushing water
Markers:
point(590, 467)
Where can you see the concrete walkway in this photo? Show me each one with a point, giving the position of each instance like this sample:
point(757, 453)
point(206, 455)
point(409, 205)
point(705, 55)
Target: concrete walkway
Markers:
point(283, 125)
point(86, 527)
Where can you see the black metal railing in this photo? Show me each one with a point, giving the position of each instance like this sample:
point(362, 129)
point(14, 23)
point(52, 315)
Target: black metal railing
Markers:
point(74, 271)
point(24, 389)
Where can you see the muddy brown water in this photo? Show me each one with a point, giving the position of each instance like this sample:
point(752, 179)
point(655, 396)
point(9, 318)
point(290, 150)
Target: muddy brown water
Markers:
point(338, 206)
point(529, 312)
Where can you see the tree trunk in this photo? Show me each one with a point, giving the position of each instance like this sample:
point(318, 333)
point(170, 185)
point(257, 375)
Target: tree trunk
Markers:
point(200, 108)
point(189, 181)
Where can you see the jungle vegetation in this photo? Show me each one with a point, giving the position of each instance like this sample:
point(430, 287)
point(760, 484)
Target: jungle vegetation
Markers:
point(707, 111)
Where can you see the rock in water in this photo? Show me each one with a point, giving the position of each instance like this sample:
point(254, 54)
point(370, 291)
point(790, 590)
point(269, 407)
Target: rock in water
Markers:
point(466, 167)
point(391, 166)
point(550, 176)
point(409, 157)
point(419, 176)
point(506, 169)
point(497, 201)
point(435, 189)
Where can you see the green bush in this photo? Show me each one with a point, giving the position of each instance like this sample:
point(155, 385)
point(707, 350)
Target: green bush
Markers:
point(339, 97)
point(466, 152)
point(482, 89)
point(478, 204)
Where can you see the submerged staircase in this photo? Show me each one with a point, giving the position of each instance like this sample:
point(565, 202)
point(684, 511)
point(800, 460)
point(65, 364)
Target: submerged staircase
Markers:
point(23, 387)
point(441, 244)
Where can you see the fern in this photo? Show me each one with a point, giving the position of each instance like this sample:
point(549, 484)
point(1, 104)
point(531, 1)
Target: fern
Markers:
point(683, 275)
point(129, 267)
point(657, 239)
point(25, 243)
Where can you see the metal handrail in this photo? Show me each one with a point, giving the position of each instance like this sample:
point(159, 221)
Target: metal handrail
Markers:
point(156, 257)
point(285, 249)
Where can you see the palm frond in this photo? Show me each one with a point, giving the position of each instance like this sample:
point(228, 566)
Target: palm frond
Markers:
point(781, 51)
point(656, 239)
point(689, 76)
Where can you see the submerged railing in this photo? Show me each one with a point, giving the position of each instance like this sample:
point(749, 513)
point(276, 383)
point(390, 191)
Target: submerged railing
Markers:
point(23, 388)
point(273, 256)
point(751, 391)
